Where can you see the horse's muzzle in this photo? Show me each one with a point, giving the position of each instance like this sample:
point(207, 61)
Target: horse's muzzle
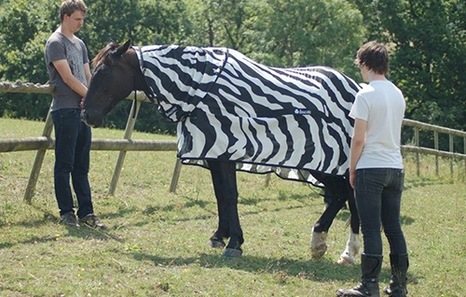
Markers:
point(85, 119)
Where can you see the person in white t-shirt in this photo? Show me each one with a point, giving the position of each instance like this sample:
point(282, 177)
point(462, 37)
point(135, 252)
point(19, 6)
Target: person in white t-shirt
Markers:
point(376, 172)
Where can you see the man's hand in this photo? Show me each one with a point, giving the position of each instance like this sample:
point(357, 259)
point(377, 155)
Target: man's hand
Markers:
point(352, 178)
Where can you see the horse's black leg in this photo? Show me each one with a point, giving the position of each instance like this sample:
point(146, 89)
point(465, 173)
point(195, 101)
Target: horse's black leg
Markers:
point(233, 248)
point(326, 219)
point(322, 225)
point(225, 187)
point(336, 193)
point(222, 232)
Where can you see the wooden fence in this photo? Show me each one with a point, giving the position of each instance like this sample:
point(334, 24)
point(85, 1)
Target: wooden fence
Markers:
point(44, 142)
point(418, 126)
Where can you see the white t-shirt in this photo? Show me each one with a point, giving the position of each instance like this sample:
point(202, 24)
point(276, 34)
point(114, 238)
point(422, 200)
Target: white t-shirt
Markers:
point(382, 105)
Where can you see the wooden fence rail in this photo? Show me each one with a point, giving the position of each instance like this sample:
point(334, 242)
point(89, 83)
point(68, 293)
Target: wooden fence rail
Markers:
point(417, 149)
point(98, 144)
point(41, 144)
point(44, 142)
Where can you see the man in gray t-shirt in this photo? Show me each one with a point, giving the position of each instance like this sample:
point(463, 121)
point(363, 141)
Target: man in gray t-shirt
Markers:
point(59, 47)
point(69, 72)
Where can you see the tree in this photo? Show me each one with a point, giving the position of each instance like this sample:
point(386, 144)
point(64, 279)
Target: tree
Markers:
point(220, 22)
point(280, 32)
point(23, 27)
point(428, 39)
point(301, 32)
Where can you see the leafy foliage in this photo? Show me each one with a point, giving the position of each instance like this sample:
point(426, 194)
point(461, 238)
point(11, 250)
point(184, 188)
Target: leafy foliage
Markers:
point(427, 37)
point(300, 33)
point(22, 35)
point(429, 46)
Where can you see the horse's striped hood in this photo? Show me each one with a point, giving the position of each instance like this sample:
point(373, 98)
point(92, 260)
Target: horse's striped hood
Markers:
point(232, 108)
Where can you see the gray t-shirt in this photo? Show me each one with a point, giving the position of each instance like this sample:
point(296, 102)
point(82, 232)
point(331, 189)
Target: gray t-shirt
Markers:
point(59, 47)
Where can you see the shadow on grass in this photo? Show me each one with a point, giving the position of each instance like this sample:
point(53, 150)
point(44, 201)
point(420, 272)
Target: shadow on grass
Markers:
point(81, 232)
point(243, 200)
point(425, 181)
point(48, 218)
point(122, 212)
point(211, 211)
point(317, 270)
point(28, 223)
point(344, 215)
point(190, 203)
point(87, 233)
point(282, 196)
point(406, 220)
point(210, 214)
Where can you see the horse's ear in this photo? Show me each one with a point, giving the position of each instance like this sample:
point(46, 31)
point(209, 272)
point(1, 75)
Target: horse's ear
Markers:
point(123, 48)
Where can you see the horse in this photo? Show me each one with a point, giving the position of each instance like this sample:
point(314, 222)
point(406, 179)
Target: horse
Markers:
point(236, 114)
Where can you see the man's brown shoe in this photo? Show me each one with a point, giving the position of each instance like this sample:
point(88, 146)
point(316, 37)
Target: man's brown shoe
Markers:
point(69, 219)
point(92, 221)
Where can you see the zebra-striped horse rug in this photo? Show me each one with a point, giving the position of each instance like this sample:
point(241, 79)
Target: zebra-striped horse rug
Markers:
point(229, 107)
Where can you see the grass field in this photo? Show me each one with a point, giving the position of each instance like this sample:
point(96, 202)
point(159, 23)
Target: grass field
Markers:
point(156, 244)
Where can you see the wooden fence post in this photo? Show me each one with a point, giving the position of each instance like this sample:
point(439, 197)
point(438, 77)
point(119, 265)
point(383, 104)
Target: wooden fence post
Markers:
point(176, 176)
point(451, 148)
point(436, 157)
point(34, 176)
point(268, 176)
point(133, 114)
point(416, 143)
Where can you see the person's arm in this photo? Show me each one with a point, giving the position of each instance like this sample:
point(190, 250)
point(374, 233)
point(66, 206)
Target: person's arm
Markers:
point(63, 68)
point(357, 145)
point(87, 72)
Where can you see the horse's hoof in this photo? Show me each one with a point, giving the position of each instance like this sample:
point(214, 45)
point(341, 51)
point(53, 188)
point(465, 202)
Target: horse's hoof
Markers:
point(318, 244)
point(346, 259)
point(232, 253)
point(216, 243)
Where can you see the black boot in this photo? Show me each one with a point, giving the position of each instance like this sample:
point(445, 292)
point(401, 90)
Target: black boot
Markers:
point(369, 286)
point(397, 287)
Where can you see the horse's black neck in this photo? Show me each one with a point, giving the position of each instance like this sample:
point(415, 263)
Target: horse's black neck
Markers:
point(140, 83)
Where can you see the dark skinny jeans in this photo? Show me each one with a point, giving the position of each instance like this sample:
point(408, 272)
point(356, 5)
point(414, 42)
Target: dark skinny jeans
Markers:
point(378, 196)
point(72, 156)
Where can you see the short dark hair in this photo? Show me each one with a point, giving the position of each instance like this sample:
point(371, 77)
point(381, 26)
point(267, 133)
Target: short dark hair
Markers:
point(374, 56)
point(67, 7)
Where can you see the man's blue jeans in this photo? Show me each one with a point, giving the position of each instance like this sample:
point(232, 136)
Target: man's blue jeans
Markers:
point(72, 155)
point(378, 196)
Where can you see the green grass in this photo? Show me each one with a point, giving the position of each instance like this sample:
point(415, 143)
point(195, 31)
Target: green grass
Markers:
point(156, 244)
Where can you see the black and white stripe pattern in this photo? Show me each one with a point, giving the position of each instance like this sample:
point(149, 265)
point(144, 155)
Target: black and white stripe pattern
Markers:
point(229, 107)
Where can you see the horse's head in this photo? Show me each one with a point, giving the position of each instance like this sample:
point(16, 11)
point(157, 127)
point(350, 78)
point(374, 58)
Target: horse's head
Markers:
point(116, 74)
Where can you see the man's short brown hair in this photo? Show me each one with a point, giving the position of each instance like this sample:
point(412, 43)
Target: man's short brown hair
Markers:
point(374, 56)
point(67, 7)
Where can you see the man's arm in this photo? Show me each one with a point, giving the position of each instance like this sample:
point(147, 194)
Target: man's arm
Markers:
point(64, 70)
point(357, 145)
point(87, 72)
